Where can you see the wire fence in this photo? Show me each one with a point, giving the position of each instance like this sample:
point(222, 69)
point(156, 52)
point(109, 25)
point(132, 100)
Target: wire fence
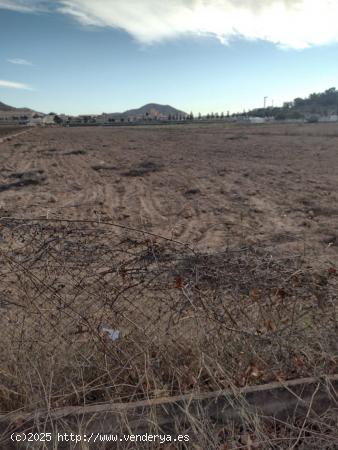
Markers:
point(90, 314)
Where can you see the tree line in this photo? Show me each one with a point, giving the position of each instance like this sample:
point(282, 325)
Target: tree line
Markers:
point(321, 104)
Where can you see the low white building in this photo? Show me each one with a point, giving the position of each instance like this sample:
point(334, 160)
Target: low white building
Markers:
point(48, 120)
point(331, 118)
point(257, 120)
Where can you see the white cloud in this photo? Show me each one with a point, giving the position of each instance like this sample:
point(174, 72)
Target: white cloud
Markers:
point(22, 5)
point(20, 62)
point(15, 85)
point(287, 23)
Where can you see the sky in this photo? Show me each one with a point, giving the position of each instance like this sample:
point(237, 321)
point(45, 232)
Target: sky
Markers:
point(94, 56)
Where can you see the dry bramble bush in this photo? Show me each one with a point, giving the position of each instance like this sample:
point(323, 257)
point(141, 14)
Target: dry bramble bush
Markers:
point(89, 316)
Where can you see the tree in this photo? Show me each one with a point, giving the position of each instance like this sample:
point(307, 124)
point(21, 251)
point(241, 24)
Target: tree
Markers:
point(280, 116)
point(298, 102)
point(287, 105)
point(57, 120)
point(313, 119)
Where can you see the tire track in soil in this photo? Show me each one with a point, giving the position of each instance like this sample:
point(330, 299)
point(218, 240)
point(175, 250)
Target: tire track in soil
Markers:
point(240, 184)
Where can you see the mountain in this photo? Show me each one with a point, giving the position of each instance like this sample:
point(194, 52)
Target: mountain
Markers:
point(154, 108)
point(4, 107)
point(151, 109)
point(10, 110)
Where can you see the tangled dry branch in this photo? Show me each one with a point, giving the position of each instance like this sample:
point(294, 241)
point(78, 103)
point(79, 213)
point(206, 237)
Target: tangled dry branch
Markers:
point(89, 316)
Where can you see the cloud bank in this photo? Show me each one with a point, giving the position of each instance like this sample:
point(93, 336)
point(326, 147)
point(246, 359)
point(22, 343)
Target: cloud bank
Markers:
point(14, 85)
point(20, 62)
point(287, 23)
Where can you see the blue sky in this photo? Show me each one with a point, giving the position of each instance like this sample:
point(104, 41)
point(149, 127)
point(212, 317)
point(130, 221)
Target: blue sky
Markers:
point(81, 56)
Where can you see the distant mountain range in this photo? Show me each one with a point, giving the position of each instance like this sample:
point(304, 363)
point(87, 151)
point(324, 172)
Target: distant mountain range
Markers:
point(149, 109)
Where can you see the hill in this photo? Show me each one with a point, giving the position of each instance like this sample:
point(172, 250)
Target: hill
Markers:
point(154, 108)
point(11, 110)
point(4, 107)
point(317, 104)
point(151, 109)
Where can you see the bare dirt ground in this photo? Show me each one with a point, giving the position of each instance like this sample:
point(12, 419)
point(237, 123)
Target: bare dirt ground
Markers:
point(8, 130)
point(93, 313)
point(211, 186)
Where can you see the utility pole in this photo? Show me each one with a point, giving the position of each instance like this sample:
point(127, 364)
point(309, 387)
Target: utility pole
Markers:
point(265, 99)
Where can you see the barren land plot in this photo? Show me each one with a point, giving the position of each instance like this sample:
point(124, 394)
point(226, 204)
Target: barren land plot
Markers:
point(243, 292)
point(210, 186)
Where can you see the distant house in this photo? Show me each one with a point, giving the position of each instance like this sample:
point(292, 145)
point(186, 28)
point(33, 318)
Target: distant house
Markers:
point(249, 119)
point(34, 121)
point(41, 120)
point(257, 120)
point(10, 118)
point(48, 120)
point(106, 119)
point(75, 120)
point(330, 118)
point(102, 119)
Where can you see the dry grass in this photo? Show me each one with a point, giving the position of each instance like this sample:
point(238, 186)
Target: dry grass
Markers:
point(188, 322)
point(6, 130)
